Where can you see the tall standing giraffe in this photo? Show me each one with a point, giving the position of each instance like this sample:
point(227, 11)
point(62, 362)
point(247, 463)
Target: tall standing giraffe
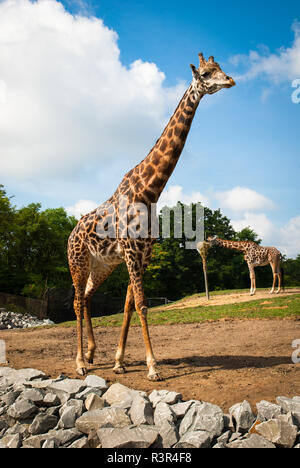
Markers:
point(93, 257)
point(255, 255)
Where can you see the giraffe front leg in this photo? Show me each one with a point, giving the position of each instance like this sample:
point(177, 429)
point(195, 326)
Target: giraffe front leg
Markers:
point(150, 359)
point(135, 270)
point(80, 364)
point(253, 282)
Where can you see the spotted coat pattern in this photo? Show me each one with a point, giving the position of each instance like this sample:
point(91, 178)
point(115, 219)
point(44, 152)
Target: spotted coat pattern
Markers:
point(255, 255)
point(92, 257)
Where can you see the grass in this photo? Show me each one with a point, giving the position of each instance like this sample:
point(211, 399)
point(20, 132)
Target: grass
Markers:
point(275, 307)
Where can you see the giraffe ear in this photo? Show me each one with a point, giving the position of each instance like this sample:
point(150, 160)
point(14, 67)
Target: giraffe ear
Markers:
point(194, 71)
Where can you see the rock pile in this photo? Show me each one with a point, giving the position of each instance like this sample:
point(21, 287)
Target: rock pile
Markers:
point(9, 320)
point(38, 412)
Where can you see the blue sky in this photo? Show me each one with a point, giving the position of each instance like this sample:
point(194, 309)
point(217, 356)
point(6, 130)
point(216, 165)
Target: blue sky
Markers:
point(84, 98)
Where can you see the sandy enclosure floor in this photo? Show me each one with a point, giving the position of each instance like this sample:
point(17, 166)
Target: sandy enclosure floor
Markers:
point(221, 362)
point(231, 298)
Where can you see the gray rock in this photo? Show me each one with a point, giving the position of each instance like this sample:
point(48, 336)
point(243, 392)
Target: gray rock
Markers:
point(118, 393)
point(51, 399)
point(242, 416)
point(194, 439)
point(22, 409)
point(30, 374)
point(128, 437)
point(34, 395)
point(6, 371)
point(10, 397)
point(35, 441)
point(288, 418)
point(77, 405)
point(67, 418)
point(94, 402)
point(86, 392)
point(22, 429)
point(267, 410)
point(180, 409)
point(163, 412)
point(42, 423)
point(40, 384)
point(93, 439)
point(169, 434)
point(291, 405)
point(12, 441)
point(203, 417)
point(2, 446)
point(141, 411)
point(66, 389)
point(53, 411)
point(279, 432)
point(224, 438)
point(219, 445)
point(253, 441)
point(95, 419)
point(64, 436)
point(235, 436)
point(164, 396)
point(80, 443)
point(49, 443)
point(94, 381)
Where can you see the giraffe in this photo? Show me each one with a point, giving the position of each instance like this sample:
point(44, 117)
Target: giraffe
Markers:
point(255, 255)
point(93, 256)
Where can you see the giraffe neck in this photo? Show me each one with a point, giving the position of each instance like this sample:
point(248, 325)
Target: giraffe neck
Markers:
point(232, 245)
point(148, 179)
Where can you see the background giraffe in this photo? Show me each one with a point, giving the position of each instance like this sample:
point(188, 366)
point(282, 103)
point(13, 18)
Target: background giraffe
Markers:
point(255, 255)
point(93, 257)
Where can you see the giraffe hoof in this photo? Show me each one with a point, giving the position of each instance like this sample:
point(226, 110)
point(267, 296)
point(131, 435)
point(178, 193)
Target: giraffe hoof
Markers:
point(81, 370)
point(154, 377)
point(119, 370)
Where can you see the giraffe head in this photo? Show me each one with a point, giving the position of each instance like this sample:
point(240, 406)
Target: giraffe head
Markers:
point(212, 240)
point(209, 78)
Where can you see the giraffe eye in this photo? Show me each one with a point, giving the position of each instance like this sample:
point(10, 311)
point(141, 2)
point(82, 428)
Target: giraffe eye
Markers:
point(205, 75)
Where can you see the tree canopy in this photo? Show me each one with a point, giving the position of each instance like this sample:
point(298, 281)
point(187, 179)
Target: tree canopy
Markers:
point(33, 256)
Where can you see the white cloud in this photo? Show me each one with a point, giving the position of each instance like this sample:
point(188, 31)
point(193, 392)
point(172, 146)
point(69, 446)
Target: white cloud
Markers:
point(174, 193)
point(283, 65)
point(259, 222)
point(81, 208)
point(66, 100)
point(243, 199)
point(290, 237)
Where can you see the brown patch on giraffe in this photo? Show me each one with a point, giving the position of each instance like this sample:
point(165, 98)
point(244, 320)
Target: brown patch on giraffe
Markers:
point(163, 145)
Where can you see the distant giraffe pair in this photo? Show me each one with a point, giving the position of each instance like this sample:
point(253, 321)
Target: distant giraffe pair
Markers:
point(255, 255)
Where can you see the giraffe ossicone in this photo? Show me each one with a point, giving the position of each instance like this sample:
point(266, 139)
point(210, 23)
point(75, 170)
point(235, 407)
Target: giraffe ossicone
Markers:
point(93, 258)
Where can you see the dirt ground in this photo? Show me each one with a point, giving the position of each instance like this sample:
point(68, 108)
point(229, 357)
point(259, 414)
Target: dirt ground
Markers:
point(221, 362)
point(232, 298)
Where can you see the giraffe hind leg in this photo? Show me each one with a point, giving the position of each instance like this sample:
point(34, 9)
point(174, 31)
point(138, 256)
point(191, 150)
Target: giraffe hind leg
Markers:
point(128, 310)
point(99, 272)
